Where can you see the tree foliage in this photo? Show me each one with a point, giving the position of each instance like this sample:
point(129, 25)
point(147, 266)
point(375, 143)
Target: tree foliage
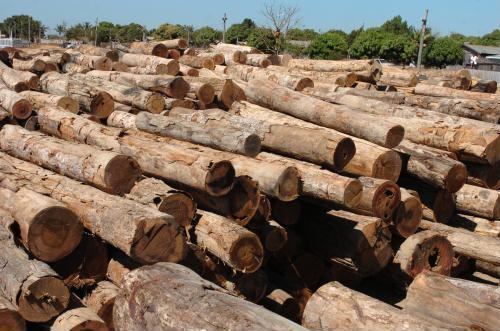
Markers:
point(263, 39)
point(205, 36)
point(239, 32)
point(443, 51)
point(330, 45)
point(19, 24)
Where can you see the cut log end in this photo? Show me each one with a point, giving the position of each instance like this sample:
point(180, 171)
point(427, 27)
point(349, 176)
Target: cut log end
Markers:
point(444, 206)
point(103, 63)
point(172, 68)
point(50, 67)
point(68, 104)
point(179, 205)
point(244, 199)
point(275, 238)
point(220, 178)
point(54, 233)
point(10, 320)
point(178, 88)
point(102, 105)
point(21, 86)
point(385, 200)
point(156, 241)
point(253, 286)
point(252, 145)
point(247, 253)
point(387, 166)
point(121, 174)
point(289, 184)
point(394, 136)
point(304, 83)
point(155, 103)
point(344, 153)
point(160, 50)
point(33, 83)
point(456, 177)
point(353, 193)
point(43, 299)
point(407, 216)
point(492, 150)
point(21, 109)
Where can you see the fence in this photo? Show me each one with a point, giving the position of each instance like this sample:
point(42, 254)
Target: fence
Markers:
point(485, 74)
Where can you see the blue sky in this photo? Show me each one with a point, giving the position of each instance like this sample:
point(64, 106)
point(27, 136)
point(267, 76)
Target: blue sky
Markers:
point(471, 17)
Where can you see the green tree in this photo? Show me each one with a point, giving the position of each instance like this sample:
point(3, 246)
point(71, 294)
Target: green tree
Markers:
point(61, 28)
point(19, 24)
point(168, 31)
point(398, 48)
point(351, 37)
point(205, 36)
point(491, 39)
point(263, 39)
point(240, 31)
point(329, 46)
point(129, 33)
point(368, 43)
point(105, 31)
point(443, 51)
point(76, 31)
point(398, 26)
point(299, 34)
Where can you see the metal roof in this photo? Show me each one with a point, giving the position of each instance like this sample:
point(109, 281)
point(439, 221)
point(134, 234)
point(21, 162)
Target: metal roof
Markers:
point(483, 50)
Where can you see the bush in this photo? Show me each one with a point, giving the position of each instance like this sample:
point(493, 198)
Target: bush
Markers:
point(329, 46)
point(206, 36)
point(443, 51)
point(263, 39)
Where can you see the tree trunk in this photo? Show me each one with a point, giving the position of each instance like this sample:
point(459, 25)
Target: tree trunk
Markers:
point(407, 216)
point(226, 90)
point(120, 67)
point(31, 285)
point(222, 138)
point(88, 61)
point(176, 309)
point(218, 58)
point(40, 100)
point(369, 160)
point(336, 307)
point(391, 97)
point(149, 48)
point(329, 65)
point(321, 77)
point(18, 106)
point(337, 80)
point(158, 64)
point(143, 233)
point(185, 70)
point(197, 62)
point(473, 305)
point(257, 60)
point(93, 101)
point(322, 113)
point(48, 229)
point(174, 87)
point(79, 319)
point(124, 108)
point(484, 175)
point(33, 65)
point(439, 91)
point(479, 201)
point(101, 301)
point(184, 103)
point(18, 80)
point(111, 54)
point(273, 236)
point(175, 43)
point(203, 91)
point(10, 320)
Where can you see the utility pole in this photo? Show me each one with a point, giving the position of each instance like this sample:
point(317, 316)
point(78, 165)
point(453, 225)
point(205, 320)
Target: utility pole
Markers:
point(96, 24)
point(422, 34)
point(29, 30)
point(224, 19)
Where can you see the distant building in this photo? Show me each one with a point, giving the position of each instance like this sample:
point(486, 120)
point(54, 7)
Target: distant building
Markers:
point(489, 56)
point(13, 42)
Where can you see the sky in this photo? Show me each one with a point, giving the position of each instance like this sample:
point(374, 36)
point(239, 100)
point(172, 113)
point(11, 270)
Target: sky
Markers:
point(469, 17)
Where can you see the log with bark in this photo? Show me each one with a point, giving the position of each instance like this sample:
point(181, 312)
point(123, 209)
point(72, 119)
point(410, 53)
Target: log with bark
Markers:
point(392, 97)
point(92, 101)
point(398, 78)
point(120, 66)
point(77, 319)
point(204, 92)
point(87, 61)
point(484, 175)
point(226, 90)
point(177, 309)
point(197, 62)
point(121, 119)
point(15, 104)
point(156, 156)
point(372, 66)
point(257, 60)
point(149, 48)
point(185, 70)
point(369, 160)
point(447, 92)
point(33, 65)
point(73, 68)
point(10, 320)
point(143, 233)
point(18, 80)
point(174, 87)
point(157, 64)
point(222, 47)
point(217, 57)
point(473, 305)
point(47, 228)
point(179, 43)
point(341, 118)
point(108, 171)
point(479, 201)
point(111, 54)
point(32, 286)
point(39, 100)
point(101, 301)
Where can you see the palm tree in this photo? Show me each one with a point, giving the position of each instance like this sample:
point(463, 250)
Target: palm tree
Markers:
point(61, 28)
point(87, 27)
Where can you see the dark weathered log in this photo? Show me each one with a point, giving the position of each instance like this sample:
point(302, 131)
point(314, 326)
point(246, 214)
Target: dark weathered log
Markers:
point(181, 308)
point(479, 201)
point(73, 68)
point(474, 305)
point(398, 78)
point(156, 64)
point(485, 86)
point(273, 236)
point(31, 285)
point(78, 319)
point(101, 301)
point(149, 48)
point(10, 320)
point(286, 212)
point(39, 100)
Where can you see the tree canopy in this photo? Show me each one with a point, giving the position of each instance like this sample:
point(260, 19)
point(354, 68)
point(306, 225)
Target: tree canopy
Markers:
point(330, 46)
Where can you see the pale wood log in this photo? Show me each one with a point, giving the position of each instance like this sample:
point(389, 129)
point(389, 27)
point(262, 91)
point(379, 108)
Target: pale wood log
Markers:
point(88, 61)
point(101, 301)
point(48, 229)
point(257, 60)
point(336, 307)
point(121, 119)
point(474, 305)
point(398, 78)
point(18, 80)
point(120, 107)
point(157, 156)
point(408, 215)
point(479, 201)
point(222, 47)
point(92, 101)
point(160, 69)
point(33, 65)
point(226, 90)
point(184, 103)
point(337, 117)
point(204, 92)
point(321, 77)
point(340, 79)
point(485, 86)
point(188, 71)
point(392, 97)
point(476, 224)
point(39, 100)
point(29, 284)
point(330, 65)
point(15, 104)
point(149, 48)
point(156, 283)
point(189, 51)
point(369, 160)
point(174, 87)
point(217, 57)
point(179, 43)
point(141, 232)
point(197, 62)
point(111, 54)
point(160, 65)
point(78, 319)
point(223, 138)
point(459, 83)
point(73, 68)
point(10, 320)
point(440, 91)
point(108, 171)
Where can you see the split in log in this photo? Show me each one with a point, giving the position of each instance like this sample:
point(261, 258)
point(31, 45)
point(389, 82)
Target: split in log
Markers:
point(39, 100)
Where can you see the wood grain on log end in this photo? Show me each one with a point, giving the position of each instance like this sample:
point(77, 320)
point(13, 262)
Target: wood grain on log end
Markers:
point(178, 88)
point(492, 150)
point(246, 253)
point(394, 136)
point(180, 205)
point(289, 184)
point(407, 216)
point(252, 145)
point(274, 236)
point(69, 104)
point(387, 166)
point(456, 177)
point(103, 63)
point(20, 86)
point(244, 199)
point(10, 320)
point(155, 103)
point(353, 193)
point(50, 67)
point(121, 173)
point(220, 178)
point(344, 152)
point(304, 83)
point(21, 109)
point(385, 200)
point(102, 105)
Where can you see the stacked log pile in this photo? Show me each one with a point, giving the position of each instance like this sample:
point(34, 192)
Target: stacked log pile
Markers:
point(298, 193)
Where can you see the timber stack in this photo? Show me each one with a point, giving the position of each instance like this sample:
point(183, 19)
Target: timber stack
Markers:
point(303, 194)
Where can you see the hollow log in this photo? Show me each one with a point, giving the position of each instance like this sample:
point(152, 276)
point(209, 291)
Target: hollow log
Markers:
point(336, 307)
point(33, 65)
point(48, 229)
point(156, 63)
point(29, 284)
point(18, 80)
point(149, 48)
point(408, 215)
point(39, 100)
point(440, 91)
point(15, 104)
point(484, 175)
point(143, 233)
point(78, 319)
point(156, 156)
point(88, 61)
point(111, 54)
point(92, 101)
point(179, 43)
point(10, 320)
point(174, 87)
point(108, 171)
point(475, 305)
point(101, 301)
point(323, 113)
point(369, 160)
point(197, 62)
point(479, 201)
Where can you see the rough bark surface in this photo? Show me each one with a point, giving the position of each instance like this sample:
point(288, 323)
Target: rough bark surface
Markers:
point(479, 201)
point(18, 106)
point(39, 100)
point(101, 301)
point(78, 319)
point(156, 63)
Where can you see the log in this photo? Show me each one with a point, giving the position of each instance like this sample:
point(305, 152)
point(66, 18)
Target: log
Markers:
point(149, 48)
point(88, 61)
point(188, 71)
point(307, 144)
point(29, 284)
point(204, 92)
point(12, 102)
point(408, 215)
point(218, 58)
point(10, 320)
point(340, 79)
point(359, 243)
point(39, 100)
point(484, 175)
point(125, 224)
point(459, 83)
point(174, 54)
point(366, 86)
point(257, 60)
point(266, 93)
point(226, 90)
point(120, 66)
point(328, 65)
point(479, 201)
point(18, 80)
point(222, 47)
point(101, 301)
point(273, 236)
point(282, 303)
point(475, 305)
point(77, 319)
point(178, 311)
point(179, 43)
point(73, 68)
point(121, 119)
point(488, 269)
point(174, 87)
point(108, 171)
point(286, 212)
point(33, 65)
point(231, 243)
point(222, 138)
point(197, 62)
point(392, 97)
point(132, 96)
point(398, 78)
point(262, 215)
point(158, 64)
point(440, 91)
point(369, 160)
point(93, 101)
point(48, 229)
point(124, 108)
point(111, 54)
point(485, 86)
point(184, 103)
point(336, 307)
point(321, 77)
point(476, 224)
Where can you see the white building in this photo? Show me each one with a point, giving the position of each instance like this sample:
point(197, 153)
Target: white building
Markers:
point(13, 42)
